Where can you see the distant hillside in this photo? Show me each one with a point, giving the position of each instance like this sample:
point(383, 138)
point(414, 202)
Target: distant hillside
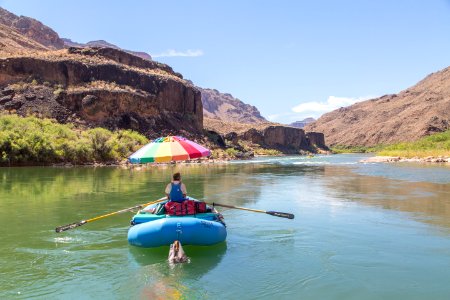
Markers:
point(30, 29)
point(407, 116)
point(104, 44)
point(30, 34)
point(225, 107)
point(303, 123)
point(13, 42)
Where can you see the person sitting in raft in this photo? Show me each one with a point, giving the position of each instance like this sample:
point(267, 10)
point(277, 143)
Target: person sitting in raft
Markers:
point(176, 190)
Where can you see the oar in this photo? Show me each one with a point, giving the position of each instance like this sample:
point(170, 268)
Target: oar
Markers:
point(82, 222)
point(272, 213)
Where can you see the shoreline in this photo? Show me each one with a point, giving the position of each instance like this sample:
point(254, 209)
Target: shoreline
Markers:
point(127, 165)
point(122, 164)
point(394, 159)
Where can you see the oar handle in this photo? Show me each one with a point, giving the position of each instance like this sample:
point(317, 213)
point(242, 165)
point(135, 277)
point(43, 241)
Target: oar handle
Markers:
point(280, 214)
point(70, 226)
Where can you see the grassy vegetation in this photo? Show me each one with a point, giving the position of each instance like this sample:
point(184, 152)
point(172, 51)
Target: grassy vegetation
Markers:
point(31, 140)
point(434, 145)
point(269, 152)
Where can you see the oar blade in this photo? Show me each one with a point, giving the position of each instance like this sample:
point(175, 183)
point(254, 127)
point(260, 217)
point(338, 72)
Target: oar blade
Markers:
point(280, 214)
point(69, 226)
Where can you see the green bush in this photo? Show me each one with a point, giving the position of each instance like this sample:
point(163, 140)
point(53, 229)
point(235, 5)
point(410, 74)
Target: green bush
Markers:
point(33, 140)
point(267, 152)
point(355, 149)
point(231, 152)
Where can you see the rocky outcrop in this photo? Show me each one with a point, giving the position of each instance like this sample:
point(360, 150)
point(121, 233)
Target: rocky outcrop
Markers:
point(283, 138)
point(316, 139)
point(286, 139)
point(268, 135)
point(31, 29)
point(123, 57)
point(104, 44)
point(407, 116)
point(225, 107)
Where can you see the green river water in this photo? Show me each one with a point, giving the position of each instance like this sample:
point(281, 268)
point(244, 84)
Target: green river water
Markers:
point(362, 231)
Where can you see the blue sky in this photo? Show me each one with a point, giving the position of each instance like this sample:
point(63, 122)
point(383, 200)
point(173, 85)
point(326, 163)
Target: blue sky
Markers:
point(291, 59)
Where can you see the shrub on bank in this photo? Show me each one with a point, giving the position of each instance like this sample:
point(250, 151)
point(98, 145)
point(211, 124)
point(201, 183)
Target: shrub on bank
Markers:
point(355, 149)
point(31, 140)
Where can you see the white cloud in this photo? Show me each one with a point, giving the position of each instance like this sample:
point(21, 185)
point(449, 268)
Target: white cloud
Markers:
point(175, 53)
point(285, 118)
point(274, 117)
point(316, 108)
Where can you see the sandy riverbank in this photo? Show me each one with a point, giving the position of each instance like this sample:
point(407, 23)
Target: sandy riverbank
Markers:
point(388, 159)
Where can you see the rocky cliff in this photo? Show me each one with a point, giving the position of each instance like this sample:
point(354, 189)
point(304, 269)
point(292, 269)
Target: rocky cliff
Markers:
point(225, 107)
point(407, 116)
point(91, 86)
point(101, 87)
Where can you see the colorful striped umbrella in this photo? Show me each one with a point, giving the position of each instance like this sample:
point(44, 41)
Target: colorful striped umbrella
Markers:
point(166, 149)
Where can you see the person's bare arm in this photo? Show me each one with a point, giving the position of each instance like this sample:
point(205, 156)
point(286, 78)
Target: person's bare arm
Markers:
point(183, 190)
point(167, 191)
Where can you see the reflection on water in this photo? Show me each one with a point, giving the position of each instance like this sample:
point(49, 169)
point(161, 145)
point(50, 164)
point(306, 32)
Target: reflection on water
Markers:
point(373, 231)
point(430, 202)
point(159, 280)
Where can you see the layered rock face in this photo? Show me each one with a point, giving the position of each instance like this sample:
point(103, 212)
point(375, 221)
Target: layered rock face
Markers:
point(407, 116)
point(225, 107)
point(102, 87)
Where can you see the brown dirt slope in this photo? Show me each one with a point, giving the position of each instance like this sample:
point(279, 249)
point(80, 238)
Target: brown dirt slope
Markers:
point(407, 116)
point(31, 29)
point(13, 42)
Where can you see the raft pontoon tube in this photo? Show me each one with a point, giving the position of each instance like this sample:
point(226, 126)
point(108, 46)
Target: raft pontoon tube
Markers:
point(152, 230)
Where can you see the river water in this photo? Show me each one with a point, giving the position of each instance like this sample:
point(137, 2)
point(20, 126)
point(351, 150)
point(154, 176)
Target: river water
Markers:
point(362, 231)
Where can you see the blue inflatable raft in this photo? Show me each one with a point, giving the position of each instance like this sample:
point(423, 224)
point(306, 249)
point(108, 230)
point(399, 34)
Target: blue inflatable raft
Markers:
point(154, 230)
